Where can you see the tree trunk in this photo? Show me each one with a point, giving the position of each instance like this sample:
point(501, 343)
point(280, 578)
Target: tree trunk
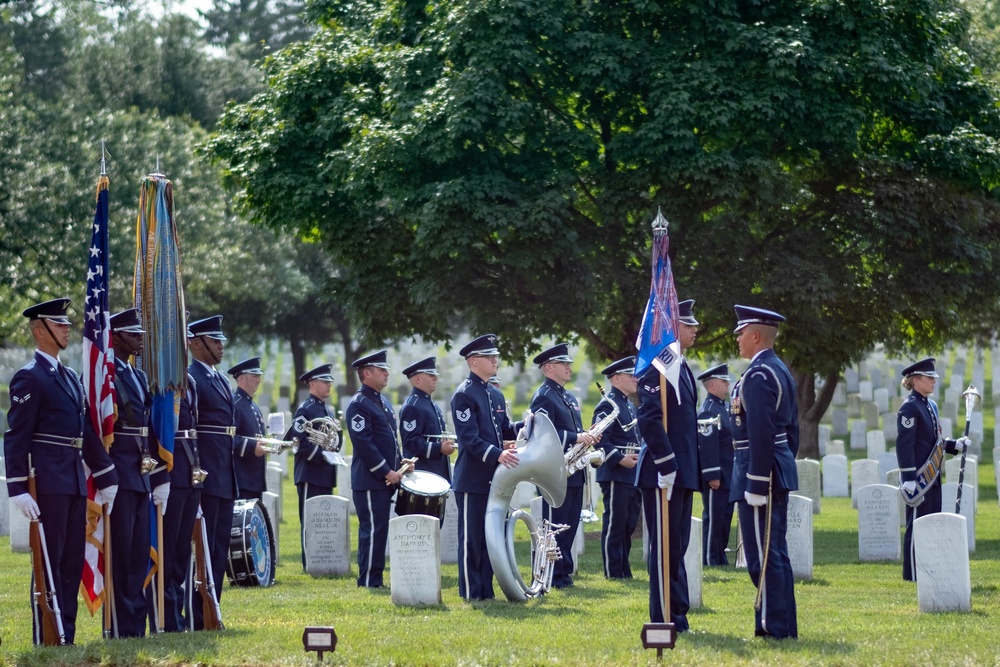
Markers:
point(298, 348)
point(812, 407)
point(351, 353)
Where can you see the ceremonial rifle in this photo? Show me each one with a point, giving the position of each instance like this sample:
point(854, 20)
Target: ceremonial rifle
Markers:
point(44, 590)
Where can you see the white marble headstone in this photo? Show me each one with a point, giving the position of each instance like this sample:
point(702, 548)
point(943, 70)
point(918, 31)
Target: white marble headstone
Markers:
point(892, 479)
point(415, 553)
point(344, 483)
point(800, 535)
point(449, 531)
point(272, 478)
point(946, 427)
point(839, 422)
point(871, 415)
point(952, 471)
point(19, 542)
point(878, 523)
point(523, 493)
point(835, 447)
point(890, 428)
point(327, 535)
point(863, 473)
point(949, 493)
point(865, 390)
point(4, 503)
point(942, 563)
point(996, 465)
point(881, 398)
point(835, 476)
point(692, 563)
point(271, 503)
point(875, 441)
point(824, 438)
point(858, 434)
point(809, 483)
point(886, 461)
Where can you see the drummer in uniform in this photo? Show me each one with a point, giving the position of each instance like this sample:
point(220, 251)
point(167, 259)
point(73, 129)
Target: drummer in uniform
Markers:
point(715, 453)
point(315, 469)
point(420, 417)
point(140, 470)
point(482, 425)
point(622, 499)
point(216, 428)
point(248, 452)
point(374, 473)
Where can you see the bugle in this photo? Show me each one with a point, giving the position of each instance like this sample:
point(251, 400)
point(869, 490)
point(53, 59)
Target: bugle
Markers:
point(275, 446)
point(204, 581)
point(705, 425)
point(44, 591)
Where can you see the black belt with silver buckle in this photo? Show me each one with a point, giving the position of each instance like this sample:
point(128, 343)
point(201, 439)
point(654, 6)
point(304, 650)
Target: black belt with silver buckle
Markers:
point(189, 434)
point(134, 431)
point(216, 430)
point(746, 445)
point(61, 440)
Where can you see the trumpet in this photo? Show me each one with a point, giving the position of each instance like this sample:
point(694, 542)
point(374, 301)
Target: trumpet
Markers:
point(705, 425)
point(275, 446)
point(443, 436)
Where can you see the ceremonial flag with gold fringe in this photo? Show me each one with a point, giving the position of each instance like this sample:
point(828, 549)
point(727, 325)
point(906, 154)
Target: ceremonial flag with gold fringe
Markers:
point(98, 385)
point(657, 343)
point(159, 296)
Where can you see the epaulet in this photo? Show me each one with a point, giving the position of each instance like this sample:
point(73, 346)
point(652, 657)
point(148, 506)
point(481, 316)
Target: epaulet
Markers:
point(462, 387)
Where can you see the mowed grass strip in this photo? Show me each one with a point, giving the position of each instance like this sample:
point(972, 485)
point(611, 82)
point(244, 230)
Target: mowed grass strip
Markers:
point(851, 613)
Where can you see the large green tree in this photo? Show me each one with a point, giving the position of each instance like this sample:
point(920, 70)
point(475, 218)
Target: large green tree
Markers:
point(834, 161)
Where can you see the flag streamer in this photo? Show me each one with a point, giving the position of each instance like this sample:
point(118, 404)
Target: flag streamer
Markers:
point(159, 295)
point(98, 384)
point(657, 343)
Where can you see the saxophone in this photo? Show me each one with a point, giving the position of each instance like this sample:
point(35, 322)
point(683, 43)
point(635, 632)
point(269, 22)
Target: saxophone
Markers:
point(580, 455)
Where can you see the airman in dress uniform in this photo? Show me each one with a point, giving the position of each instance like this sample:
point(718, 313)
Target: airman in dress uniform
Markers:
point(49, 431)
point(563, 410)
point(668, 464)
point(248, 453)
point(421, 417)
point(186, 482)
point(216, 428)
point(919, 450)
point(715, 451)
point(374, 475)
point(620, 442)
point(481, 424)
point(315, 470)
point(140, 470)
point(764, 470)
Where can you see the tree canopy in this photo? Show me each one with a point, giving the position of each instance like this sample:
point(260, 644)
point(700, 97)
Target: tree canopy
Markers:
point(500, 162)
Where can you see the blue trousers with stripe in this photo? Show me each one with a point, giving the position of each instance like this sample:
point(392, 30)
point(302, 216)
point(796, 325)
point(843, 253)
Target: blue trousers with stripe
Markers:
point(373, 534)
point(776, 616)
point(622, 508)
point(680, 535)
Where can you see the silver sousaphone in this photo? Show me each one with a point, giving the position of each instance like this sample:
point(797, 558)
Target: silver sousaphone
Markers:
point(541, 462)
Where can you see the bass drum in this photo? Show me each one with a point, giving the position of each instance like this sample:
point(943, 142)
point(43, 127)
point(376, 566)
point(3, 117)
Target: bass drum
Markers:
point(422, 492)
point(251, 546)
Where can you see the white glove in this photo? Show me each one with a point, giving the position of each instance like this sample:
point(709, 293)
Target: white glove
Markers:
point(909, 487)
point(329, 457)
point(963, 444)
point(107, 496)
point(160, 494)
point(755, 499)
point(27, 505)
point(666, 482)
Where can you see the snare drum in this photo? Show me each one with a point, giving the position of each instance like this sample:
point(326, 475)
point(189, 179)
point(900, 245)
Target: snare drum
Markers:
point(251, 546)
point(422, 492)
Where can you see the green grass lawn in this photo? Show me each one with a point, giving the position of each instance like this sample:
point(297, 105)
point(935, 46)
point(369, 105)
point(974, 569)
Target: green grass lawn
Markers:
point(849, 614)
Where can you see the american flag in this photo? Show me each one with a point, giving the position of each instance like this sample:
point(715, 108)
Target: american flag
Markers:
point(657, 341)
point(98, 384)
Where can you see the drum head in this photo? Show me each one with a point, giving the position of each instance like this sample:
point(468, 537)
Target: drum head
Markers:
point(251, 549)
point(423, 483)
